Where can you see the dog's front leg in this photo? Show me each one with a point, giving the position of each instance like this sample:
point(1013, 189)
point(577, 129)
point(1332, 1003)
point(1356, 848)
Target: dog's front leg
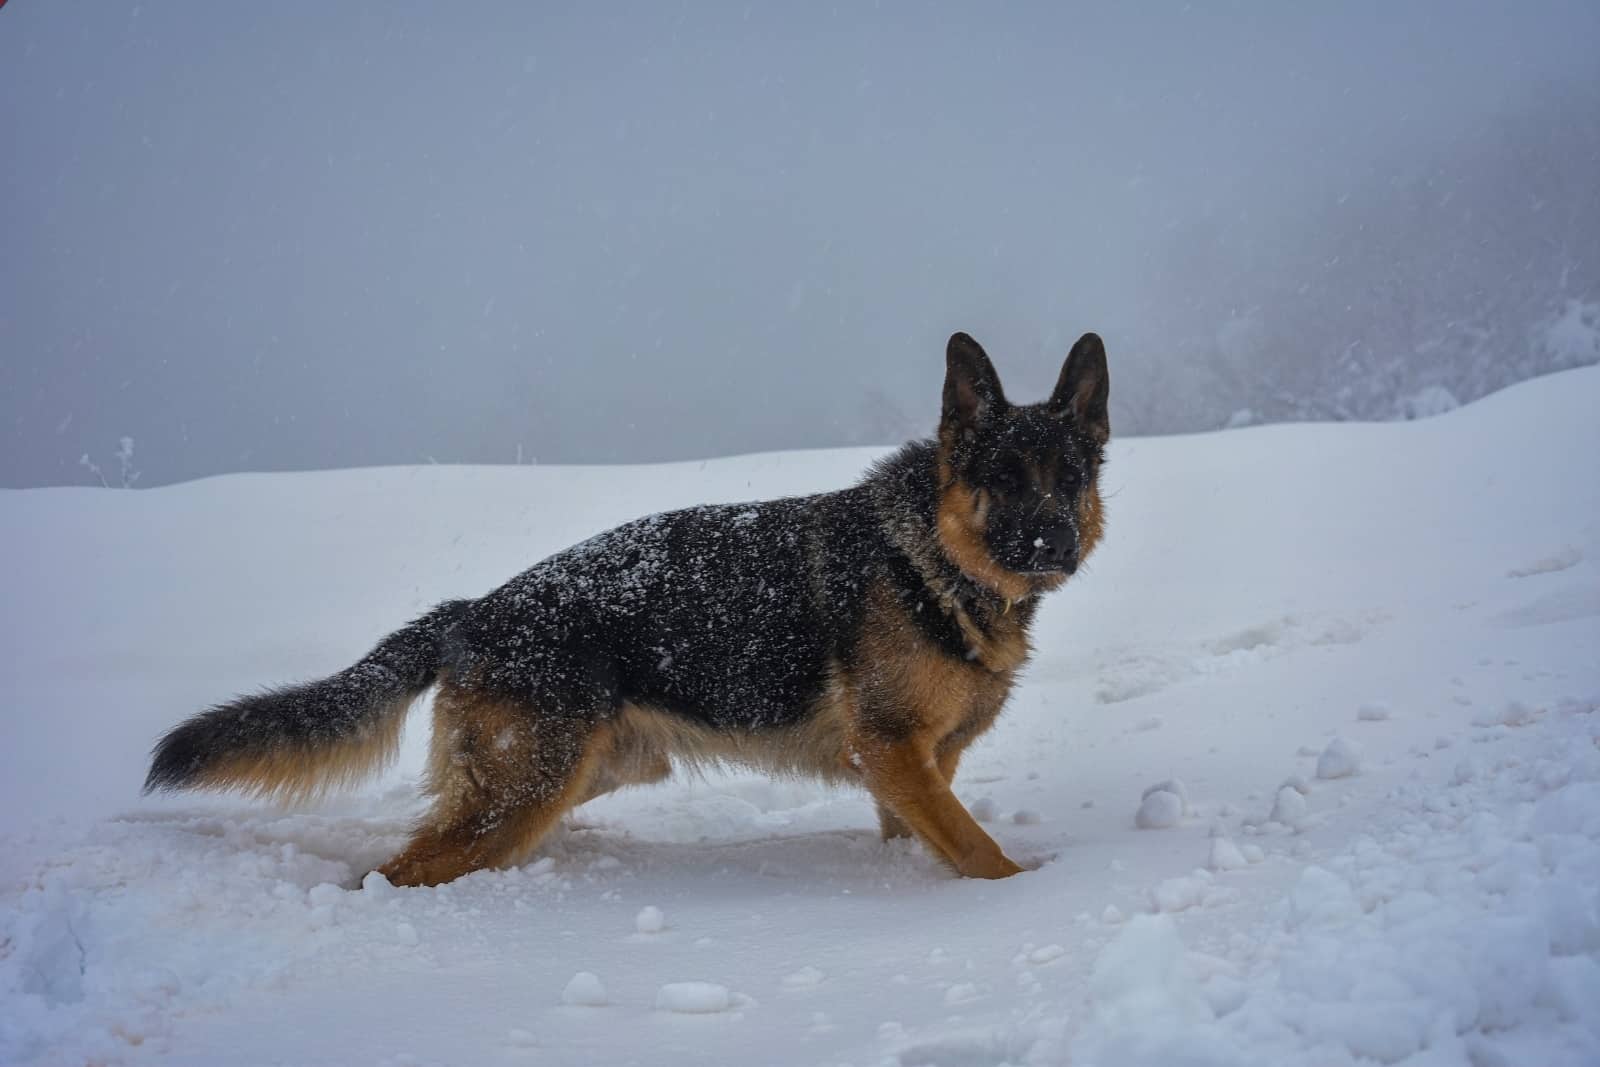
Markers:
point(904, 777)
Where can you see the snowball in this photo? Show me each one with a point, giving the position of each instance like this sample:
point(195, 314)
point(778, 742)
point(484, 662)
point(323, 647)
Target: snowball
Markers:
point(1046, 953)
point(650, 920)
point(376, 886)
point(1298, 783)
point(984, 809)
point(1112, 916)
point(1376, 711)
point(1180, 894)
point(1252, 853)
point(693, 998)
point(1339, 760)
point(1159, 810)
point(1289, 808)
point(584, 991)
point(960, 993)
point(1512, 713)
point(1225, 855)
point(1025, 817)
point(804, 978)
point(1171, 785)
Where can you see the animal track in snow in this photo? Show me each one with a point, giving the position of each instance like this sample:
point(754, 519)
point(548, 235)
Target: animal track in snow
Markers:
point(1559, 605)
point(980, 1047)
point(1138, 674)
point(1561, 559)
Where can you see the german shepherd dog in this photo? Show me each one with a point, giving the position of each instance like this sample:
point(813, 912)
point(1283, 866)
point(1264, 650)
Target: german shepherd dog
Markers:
point(867, 635)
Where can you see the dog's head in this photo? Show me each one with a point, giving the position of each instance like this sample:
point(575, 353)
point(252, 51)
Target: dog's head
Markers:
point(1019, 497)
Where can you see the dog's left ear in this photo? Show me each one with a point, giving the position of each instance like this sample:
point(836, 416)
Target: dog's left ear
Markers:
point(1084, 387)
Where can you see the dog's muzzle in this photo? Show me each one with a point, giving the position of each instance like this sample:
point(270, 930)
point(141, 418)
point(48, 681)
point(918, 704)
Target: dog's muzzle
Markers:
point(1056, 549)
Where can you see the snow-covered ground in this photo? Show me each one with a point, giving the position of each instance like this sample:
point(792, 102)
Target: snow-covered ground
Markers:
point(1361, 662)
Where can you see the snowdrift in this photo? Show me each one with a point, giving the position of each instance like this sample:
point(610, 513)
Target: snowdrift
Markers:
point(1307, 756)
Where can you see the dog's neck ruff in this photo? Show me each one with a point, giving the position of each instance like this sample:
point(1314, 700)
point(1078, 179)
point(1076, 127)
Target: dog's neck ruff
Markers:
point(967, 592)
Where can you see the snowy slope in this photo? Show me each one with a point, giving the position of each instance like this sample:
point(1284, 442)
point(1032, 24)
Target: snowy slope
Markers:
point(1427, 593)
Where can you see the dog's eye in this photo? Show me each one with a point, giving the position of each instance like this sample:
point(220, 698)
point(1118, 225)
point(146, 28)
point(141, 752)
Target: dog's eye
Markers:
point(1006, 480)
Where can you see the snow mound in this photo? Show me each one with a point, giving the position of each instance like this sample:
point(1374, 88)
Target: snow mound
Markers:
point(1374, 711)
point(1190, 891)
point(1510, 713)
point(804, 978)
point(1437, 910)
point(1225, 855)
point(1162, 805)
point(1141, 977)
point(1298, 783)
point(584, 990)
point(1289, 807)
point(1159, 811)
point(694, 998)
point(1340, 759)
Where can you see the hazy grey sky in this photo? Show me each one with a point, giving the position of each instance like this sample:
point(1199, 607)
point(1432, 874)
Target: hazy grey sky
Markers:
point(299, 235)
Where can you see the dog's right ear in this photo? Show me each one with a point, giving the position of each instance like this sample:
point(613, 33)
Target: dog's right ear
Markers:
point(971, 387)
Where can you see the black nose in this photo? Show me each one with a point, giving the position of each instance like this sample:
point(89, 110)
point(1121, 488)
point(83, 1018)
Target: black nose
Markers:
point(1060, 548)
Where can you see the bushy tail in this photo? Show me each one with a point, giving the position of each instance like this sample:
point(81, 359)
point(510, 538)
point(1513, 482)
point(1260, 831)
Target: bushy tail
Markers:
point(292, 743)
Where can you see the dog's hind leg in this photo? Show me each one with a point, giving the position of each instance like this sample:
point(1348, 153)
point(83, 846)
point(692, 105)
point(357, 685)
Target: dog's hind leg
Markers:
point(501, 773)
point(627, 760)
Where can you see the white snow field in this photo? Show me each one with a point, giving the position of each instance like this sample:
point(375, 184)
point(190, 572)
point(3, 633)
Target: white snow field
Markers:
point(1430, 898)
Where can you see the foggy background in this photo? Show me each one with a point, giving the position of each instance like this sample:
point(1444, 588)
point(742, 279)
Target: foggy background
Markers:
point(303, 235)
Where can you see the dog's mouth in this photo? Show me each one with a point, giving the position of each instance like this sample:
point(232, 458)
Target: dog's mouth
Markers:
point(1043, 562)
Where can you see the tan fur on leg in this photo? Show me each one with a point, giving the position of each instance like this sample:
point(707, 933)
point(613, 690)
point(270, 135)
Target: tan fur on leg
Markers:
point(905, 777)
point(890, 825)
point(501, 776)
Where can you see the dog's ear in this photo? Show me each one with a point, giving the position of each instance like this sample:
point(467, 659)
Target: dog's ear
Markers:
point(971, 387)
point(1084, 387)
